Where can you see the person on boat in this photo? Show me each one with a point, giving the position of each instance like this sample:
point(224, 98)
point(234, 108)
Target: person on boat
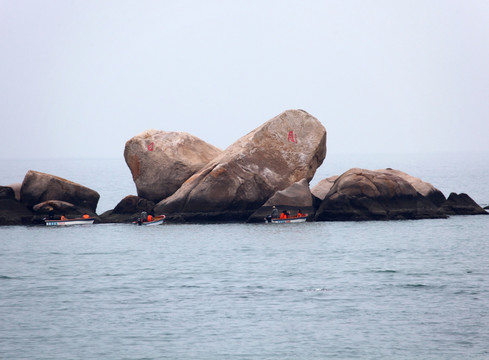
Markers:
point(274, 212)
point(299, 213)
point(63, 217)
point(284, 215)
point(144, 216)
point(150, 218)
point(86, 216)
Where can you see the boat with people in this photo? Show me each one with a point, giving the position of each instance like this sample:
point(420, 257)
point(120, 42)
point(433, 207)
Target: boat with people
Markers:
point(290, 219)
point(150, 220)
point(285, 217)
point(68, 222)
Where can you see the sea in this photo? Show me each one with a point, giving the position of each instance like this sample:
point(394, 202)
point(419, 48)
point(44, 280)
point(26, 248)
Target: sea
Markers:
point(413, 289)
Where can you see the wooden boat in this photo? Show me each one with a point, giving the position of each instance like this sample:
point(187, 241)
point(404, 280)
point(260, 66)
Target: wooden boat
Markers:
point(69, 222)
point(290, 219)
point(157, 220)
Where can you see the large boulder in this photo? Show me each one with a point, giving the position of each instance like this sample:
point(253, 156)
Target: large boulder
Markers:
point(13, 212)
point(38, 187)
point(161, 161)
point(361, 194)
point(294, 198)
point(282, 151)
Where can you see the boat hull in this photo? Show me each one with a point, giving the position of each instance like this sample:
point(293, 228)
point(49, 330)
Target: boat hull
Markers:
point(68, 222)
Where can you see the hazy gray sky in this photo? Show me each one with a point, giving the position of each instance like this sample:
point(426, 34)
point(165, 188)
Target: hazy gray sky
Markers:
point(80, 78)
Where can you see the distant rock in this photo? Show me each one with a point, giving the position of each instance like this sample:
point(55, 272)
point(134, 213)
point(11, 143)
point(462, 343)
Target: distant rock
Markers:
point(296, 197)
point(322, 188)
point(282, 151)
point(38, 187)
point(361, 194)
point(16, 187)
point(462, 204)
point(128, 210)
point(161, 161)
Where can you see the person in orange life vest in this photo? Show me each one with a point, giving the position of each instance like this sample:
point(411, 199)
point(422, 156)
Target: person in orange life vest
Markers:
point(284, 215)
point(299, 213)
point(63, 217)
point(150, 217)
point(85, 216)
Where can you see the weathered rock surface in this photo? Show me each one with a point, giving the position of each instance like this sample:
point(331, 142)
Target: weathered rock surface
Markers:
point(422, 187)
point(462, 204)
point(38, 187)
point(361, 194)
point(282, 151)
point(12, 212)
point(7, 193)
point(296, 197)
point(128, 210)
point(161, 161)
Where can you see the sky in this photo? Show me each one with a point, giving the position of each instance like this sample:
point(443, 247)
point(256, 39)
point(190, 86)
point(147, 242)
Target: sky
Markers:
point(80, 78)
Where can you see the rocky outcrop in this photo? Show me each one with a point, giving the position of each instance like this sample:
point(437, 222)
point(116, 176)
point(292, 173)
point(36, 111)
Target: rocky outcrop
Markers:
point(296, 197)
point(128, 209)
point(462, 204)
point(56, 208)
point(282, 151)
point(361, 194)
point(161, 161)
point(38, 187)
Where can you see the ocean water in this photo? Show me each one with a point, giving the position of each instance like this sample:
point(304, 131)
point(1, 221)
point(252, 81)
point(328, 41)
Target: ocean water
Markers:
point(338, 290)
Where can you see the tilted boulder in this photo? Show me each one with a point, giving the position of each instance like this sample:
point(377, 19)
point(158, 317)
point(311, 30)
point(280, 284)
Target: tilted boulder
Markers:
point(38, 187)
point(294, 198)
point(161, 161)
point(361, 194)
point(282, 151)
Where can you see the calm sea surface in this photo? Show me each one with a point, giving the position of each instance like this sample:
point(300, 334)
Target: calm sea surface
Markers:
point(342, 290)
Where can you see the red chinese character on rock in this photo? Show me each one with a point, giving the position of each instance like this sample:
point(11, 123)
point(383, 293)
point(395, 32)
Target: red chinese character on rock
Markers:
point(292, 137)
point(151, 146)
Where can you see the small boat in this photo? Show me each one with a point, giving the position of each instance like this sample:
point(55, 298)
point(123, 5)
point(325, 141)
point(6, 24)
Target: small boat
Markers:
point(157, 220)
point(69, 222)
point(290, 219)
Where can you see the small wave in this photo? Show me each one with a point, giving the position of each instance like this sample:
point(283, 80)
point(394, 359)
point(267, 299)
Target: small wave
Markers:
point(5, 277)
point(387, 271)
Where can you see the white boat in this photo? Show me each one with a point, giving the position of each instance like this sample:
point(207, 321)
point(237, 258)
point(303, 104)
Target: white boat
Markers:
point(69, 222)
point(291, 219)
point(157, 220)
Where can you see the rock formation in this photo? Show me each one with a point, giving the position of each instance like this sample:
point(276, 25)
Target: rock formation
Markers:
point(128, 209)
point(361, 194)
point(38, 187)
point(296, 197)
point(282, 151)
point(462, 204)
point(161, 161)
